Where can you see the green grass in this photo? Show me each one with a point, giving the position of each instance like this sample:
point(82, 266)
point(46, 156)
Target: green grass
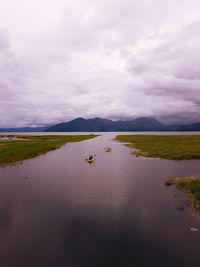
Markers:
point(191, 185)
point(32, 146)
point(177, 147)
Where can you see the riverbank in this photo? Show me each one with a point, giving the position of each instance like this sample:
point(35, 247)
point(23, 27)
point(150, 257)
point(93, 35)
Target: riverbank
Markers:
point(191, 185)
point(29, 146)
point(164, 146)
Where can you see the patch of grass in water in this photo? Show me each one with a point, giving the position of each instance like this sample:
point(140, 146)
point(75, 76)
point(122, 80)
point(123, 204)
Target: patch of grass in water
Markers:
point(191, 185)
point(34, 145)
point(176, 147)
point(194, 229)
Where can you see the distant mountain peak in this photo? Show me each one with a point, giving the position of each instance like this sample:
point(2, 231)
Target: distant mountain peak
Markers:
point(100, 124)
point(147, 120)
point(78, 119)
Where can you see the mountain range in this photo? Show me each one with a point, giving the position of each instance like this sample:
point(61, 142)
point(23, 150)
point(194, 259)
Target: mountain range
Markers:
point(107, 125)
point(23, 129)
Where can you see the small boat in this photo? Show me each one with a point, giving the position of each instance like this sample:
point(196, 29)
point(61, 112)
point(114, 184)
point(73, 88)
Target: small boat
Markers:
point(90, 160)
point(108, 149)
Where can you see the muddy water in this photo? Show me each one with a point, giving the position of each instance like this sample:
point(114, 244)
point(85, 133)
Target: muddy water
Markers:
point(57, 210)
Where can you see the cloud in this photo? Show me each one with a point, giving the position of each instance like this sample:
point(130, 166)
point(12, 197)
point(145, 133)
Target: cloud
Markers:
point(116, 59)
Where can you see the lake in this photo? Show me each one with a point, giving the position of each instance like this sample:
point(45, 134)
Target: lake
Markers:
point(57, 210)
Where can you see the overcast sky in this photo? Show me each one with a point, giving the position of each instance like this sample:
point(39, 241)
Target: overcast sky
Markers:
point(117, 59)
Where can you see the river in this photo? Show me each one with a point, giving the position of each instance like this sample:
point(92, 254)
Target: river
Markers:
point(57, 210)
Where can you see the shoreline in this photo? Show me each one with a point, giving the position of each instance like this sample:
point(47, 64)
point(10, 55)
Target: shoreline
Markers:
point(30, 146)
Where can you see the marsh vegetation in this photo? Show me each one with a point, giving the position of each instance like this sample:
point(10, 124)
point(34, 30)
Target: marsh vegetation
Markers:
point(164, 146)
point(29, 146)
point(191, 185)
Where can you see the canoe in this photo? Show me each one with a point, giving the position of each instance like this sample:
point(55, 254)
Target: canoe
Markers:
point(90, 160)
point(108, 150)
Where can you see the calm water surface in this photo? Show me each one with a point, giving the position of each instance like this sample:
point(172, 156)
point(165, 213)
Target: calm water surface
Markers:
point(58, 210)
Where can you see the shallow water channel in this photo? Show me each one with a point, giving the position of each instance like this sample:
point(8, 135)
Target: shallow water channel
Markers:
point(57, 210)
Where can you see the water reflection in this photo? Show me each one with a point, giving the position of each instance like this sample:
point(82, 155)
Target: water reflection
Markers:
point(68, 240)
point(116, 212)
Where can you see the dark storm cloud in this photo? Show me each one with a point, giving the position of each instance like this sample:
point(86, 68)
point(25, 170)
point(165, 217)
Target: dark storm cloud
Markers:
point(116, 59)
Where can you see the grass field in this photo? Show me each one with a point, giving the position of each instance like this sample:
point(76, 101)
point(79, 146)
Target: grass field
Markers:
point(32, 146)
point(177, 147)
point(191, 185)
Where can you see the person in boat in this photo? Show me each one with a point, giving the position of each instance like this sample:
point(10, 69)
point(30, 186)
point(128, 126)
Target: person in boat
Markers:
point(90, 157)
